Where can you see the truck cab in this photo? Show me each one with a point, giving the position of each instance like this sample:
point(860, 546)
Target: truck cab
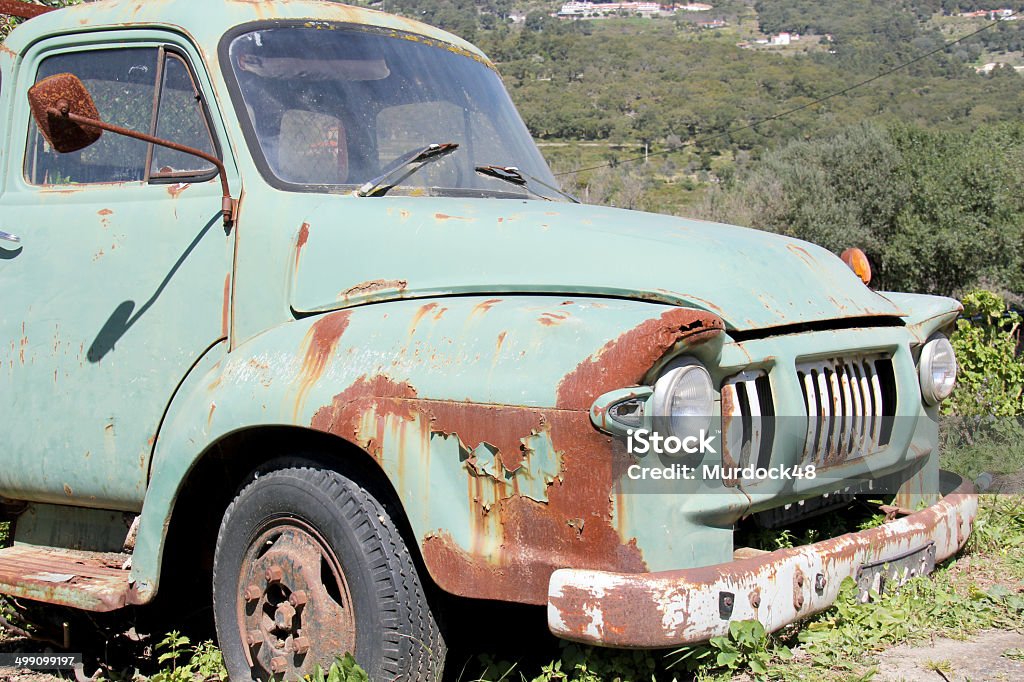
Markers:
point(329, 338)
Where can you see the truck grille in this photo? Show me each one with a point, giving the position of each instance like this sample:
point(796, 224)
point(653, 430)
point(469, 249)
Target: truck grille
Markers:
point(850, 403)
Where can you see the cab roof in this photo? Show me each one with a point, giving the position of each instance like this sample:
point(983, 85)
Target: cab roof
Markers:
point(206, 22)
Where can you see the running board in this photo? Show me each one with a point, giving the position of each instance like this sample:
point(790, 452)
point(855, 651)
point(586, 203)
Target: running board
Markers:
point(93, 581)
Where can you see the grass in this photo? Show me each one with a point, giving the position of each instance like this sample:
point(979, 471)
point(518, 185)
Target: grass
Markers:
point(5, 528)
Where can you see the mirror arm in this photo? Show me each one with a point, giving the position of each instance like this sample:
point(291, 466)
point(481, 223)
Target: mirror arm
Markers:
point(227, 203)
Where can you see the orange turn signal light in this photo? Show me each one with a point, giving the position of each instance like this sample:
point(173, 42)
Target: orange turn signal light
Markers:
point(858, 262)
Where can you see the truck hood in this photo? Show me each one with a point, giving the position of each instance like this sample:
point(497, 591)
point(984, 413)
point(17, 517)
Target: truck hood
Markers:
point(352, 251)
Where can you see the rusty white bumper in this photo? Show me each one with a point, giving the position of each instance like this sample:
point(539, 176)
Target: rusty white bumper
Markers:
point(651, 610)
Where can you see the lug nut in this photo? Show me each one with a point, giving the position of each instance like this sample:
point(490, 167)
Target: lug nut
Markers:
point(283, 616)
point(252, 593)
point(278, 664)
point(275, 574)
point(298, 598)
point(254, 638)
point(300, 645)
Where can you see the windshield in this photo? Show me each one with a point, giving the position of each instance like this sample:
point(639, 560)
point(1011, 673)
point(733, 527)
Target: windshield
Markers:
point(332, 107)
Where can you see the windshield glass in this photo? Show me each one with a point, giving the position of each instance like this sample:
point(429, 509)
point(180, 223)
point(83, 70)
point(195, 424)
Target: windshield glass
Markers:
point(332, 107)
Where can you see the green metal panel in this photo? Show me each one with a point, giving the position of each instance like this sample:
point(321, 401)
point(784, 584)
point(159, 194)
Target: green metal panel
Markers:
point(121, 287)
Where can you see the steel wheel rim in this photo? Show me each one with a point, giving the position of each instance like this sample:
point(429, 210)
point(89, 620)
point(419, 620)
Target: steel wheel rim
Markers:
point(294, 605)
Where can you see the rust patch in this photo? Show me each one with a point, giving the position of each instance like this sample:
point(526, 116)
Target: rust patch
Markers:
point(501, 340)
point(176, 189)
point(624, 361)
point(342, 417)
point(301, 242)
point(575, 527)
point(552, 319)
point(442, 217)
point(320, 342)
point(420, 314)
point(68, 491)
point(802, 254)
point(373, 285)
point(482, 308)
point(97, 583)
point(104, 212)
point(24, 10)
point(728, 415)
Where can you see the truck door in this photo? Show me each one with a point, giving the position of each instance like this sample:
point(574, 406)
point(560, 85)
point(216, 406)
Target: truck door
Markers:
point(122, 278)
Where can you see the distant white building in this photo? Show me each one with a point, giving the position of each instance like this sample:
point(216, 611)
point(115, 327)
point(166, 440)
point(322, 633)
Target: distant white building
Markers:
point(782, 39)
point(600, 9)
point(695, 7)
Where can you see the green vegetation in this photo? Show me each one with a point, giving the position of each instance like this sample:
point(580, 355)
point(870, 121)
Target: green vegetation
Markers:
point(181, 661)
point(991, 376)
point(937, 211)
point(983, 431)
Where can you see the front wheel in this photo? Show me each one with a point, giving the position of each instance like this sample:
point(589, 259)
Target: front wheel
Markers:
point(309, 567)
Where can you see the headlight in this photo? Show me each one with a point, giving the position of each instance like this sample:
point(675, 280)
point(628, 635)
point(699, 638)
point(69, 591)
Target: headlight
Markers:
point(937, 369)
point(683, 400)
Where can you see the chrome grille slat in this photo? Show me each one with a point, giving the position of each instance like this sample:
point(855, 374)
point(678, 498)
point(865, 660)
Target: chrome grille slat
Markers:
point(876, 392)
point(845, 402)
point(755, 423)
point(857, 421)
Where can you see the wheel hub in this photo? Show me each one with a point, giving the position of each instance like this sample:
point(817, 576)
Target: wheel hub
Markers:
point(294, 605)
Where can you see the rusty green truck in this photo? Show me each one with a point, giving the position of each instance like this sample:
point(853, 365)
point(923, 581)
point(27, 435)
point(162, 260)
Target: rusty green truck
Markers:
point(293, 306)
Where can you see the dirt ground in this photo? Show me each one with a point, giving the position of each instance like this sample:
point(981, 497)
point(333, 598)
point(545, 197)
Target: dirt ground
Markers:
point(954, 661)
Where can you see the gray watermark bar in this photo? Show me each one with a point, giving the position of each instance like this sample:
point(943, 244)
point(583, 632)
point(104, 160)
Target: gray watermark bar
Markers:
point(51, 661)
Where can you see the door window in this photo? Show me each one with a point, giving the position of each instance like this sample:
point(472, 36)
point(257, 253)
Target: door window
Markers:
point(124, 85)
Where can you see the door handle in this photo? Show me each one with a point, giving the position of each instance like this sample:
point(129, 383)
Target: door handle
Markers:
point(8, 237)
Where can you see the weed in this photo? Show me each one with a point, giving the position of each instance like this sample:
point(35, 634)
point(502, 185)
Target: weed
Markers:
point(943, 666)
point(1013, 654)
point(344, 669)
point(204, 660)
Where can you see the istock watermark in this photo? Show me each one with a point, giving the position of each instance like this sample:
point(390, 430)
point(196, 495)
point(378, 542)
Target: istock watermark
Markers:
point(645, 442)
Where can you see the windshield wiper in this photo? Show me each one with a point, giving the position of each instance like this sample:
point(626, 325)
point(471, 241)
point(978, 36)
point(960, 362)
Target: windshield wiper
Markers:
point(514, 176)
point(403, 167)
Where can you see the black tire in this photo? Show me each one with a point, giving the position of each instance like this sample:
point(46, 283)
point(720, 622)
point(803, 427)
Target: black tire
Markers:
point(363, 597)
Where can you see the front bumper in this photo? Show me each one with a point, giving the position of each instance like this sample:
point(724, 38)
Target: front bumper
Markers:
point(670, 608)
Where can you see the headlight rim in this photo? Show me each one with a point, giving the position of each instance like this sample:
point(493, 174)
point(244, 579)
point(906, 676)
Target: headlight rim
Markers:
point(664, 390)
point(929, 389)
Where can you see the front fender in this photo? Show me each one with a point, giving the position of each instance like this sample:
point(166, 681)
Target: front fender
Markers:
point(928, 314)
point(477, 409)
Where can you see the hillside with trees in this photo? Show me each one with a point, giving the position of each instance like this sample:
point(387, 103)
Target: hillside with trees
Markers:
point(921, 168)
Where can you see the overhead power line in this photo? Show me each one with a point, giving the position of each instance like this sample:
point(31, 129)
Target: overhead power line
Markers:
point(788, 112)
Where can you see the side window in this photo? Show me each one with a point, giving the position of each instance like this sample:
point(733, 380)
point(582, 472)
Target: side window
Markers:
point(123, 83)
point(180, 119)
